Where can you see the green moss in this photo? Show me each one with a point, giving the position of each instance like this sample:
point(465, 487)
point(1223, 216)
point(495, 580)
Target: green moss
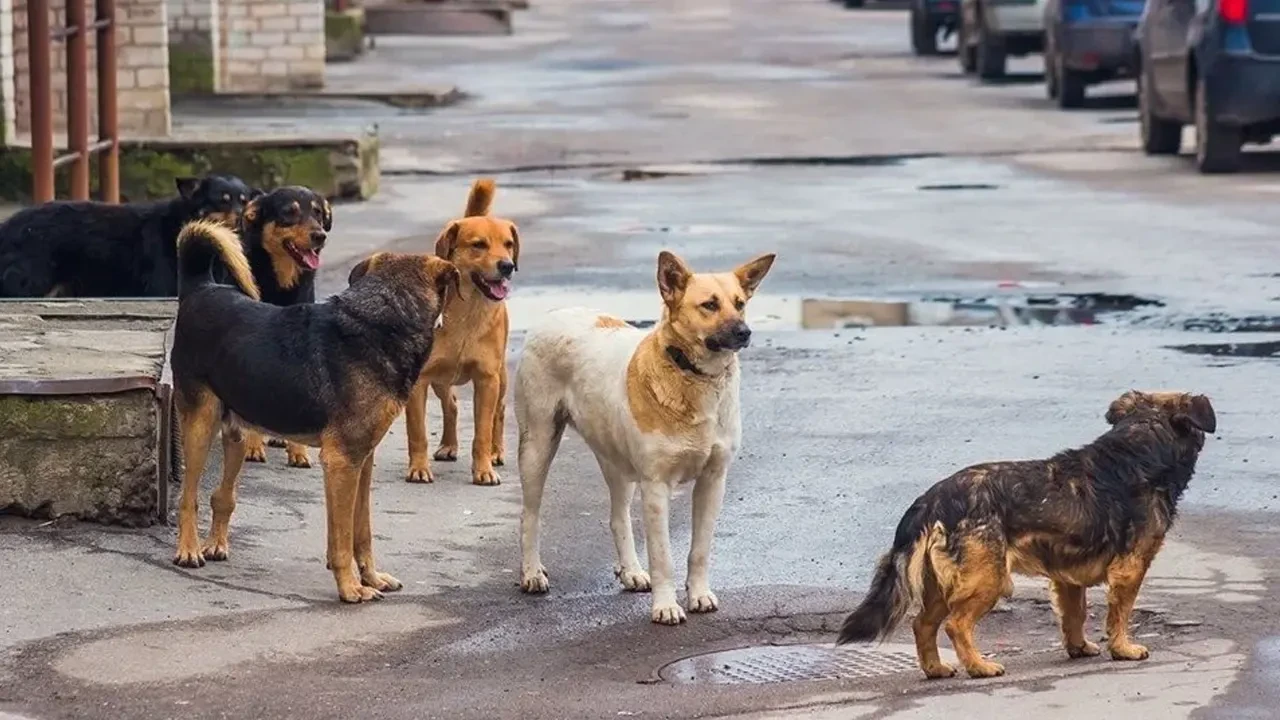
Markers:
point(147, 173)
point(190, 71)
point(343, 34)
point(55, 417)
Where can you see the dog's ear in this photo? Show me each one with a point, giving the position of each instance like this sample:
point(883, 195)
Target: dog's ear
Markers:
point(1199, 415)
point(326, 215)
point(363, 267)
point(673, 277)
point(252, 211)
point(1122, 405)
point(448, 240)
point(187, 186)
point(515, 249)
point(750, 273)
point(448, 281)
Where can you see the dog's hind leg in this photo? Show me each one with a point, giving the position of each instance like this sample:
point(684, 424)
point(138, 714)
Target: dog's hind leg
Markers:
point(622, 489)
point(540, 434)
point(415, 422)
point(255, 447)
point(976, 586)
point(500, 420)
point(298, 456)
point(223, 500)
point(363, 547)
point(708, 498)
point(198, 421)
point(1071, 607)
point(448, 450)
point(933, 610)
point(1124, 579)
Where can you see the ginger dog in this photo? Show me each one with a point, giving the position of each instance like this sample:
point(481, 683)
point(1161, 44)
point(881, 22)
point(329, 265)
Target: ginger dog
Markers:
point(658, 409)
point(471, 343)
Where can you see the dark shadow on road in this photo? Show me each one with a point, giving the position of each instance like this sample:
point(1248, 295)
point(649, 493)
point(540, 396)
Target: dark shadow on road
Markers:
point(1016, 79)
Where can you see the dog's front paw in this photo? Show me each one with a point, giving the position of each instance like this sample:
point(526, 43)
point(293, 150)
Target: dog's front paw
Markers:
point(535, 581)
point(633, 579)
point(939, 671)
point(485, 476)
point(668, 614)
point(255, 451)
point(298, 458)
point(703, 601)
point(985, 669)
point(1088, 649)
point(421, 474)
point(446, 453)
point(381, 581)
point(357, 593)
point(276, 442)
point(1129, 651)
point(216, 550)
point(499, 458)
point(189, 556)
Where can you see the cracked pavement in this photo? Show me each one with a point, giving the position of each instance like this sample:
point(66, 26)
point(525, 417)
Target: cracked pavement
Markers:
point(794, 127)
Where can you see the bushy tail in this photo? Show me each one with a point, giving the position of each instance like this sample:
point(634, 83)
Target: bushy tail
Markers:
point(481, 197)
point(201, 244)
point(898, 582)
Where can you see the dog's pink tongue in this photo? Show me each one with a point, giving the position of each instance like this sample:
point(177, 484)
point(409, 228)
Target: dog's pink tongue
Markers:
point(500, 289)
point(310, 258)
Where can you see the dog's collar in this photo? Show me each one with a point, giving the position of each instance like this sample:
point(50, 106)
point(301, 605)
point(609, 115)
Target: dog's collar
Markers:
point(682, 361)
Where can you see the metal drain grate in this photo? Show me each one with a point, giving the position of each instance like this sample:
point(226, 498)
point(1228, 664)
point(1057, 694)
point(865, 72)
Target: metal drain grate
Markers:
point(790, 663)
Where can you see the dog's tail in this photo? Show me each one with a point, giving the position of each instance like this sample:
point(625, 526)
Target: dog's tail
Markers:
point(481, 197)
point(899, 579)
point(201, 246)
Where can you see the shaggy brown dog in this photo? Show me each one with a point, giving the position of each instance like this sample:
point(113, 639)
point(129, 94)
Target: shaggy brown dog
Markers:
point(471, 343)
point(1083, 517)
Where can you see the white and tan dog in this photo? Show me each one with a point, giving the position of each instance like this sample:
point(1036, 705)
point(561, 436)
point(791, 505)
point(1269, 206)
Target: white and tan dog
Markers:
point(658, 409)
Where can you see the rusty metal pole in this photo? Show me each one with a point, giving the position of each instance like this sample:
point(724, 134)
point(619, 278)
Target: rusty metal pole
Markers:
point(78, 97)
point(41, 96)
point(108, 127)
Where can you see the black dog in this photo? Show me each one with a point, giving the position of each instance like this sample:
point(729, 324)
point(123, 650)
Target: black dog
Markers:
point(334, 375)
point(1095, 514)
point(283, 233)
point(93, 249)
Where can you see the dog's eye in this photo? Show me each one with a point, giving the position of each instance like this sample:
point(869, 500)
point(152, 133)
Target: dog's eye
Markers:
point(226, 198)
point(480, 245)
point(711, 305)
point(508, 244)
point(243, 199)
point(738, 304)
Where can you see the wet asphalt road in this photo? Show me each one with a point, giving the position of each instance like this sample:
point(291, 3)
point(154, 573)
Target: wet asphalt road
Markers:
point(762, 117)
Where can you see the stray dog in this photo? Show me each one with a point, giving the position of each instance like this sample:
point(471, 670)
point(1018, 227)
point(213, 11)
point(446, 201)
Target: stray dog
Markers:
point(94, 249)
point(333, 375)
point(1094, 514)
point(283, 233)
point(658, 409)
point(471, 344)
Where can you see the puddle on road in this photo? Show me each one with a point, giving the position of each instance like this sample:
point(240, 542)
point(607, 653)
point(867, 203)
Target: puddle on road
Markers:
point(794, 312)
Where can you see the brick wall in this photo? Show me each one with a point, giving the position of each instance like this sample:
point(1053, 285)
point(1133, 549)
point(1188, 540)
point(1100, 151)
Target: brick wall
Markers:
point(190, 21)
point(8, 107)
point(142, 60)
point(270, 45)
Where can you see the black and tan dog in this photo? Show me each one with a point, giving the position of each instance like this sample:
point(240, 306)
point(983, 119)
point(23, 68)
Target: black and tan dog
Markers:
point(283, 233)
point(332, 375)
point(94, 249)
point(1083, 517)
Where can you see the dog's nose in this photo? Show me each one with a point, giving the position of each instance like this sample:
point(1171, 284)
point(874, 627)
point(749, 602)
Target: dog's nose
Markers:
point(318, 238)
point(506, 267)
point(742, 335)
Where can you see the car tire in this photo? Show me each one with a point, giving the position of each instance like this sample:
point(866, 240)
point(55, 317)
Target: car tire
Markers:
point(1218, 145)
point(924, 33)
point(991, 56)
point(1050, 74)
point(1071, 86)
point(1159, 136)
point(853, 4)
point(967, 54)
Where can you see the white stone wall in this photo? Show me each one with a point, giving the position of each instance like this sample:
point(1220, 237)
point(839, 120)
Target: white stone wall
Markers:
point(271, 45)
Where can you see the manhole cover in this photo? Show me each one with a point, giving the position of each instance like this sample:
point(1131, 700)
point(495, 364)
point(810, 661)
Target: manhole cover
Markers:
point(792, 663)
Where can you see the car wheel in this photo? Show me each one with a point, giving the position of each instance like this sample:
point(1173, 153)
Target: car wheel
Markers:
point(991, 53)
point(1217, 145)
point(1159, 136)
point(1070, 86)
point(924, 34)
point(1050, 74)
point(853, 4)
point(967, 54)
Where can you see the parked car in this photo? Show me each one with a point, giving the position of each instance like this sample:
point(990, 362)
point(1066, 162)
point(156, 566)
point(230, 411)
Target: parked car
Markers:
point(929, 19)
point(1214, 64)
point(1087, 42)
point(992, 30)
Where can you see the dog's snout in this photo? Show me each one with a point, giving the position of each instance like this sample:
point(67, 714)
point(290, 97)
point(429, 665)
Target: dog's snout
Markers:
point(742, 334)
point(506, 267)
point(318, 237)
